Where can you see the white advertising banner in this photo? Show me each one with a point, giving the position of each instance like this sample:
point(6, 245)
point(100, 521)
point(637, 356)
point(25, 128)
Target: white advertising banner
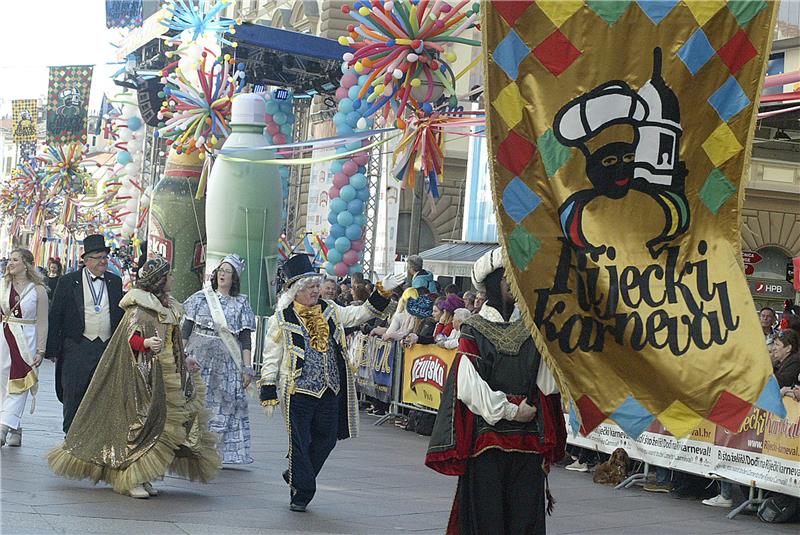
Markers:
point(765, 453)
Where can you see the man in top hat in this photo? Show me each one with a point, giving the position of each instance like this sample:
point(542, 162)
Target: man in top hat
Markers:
point(83, 315)
point(305, 368)
point(499, 424)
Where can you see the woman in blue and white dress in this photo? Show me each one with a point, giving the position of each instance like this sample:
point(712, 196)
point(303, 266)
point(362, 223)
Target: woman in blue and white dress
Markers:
point(217, 332)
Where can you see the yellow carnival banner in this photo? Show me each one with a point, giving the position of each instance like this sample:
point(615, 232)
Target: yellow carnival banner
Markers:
point(24, 115)
point(425, 369)
point(619, 133)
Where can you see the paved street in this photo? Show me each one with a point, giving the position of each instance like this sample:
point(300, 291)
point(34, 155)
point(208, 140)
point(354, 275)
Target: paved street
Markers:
point(376, 484)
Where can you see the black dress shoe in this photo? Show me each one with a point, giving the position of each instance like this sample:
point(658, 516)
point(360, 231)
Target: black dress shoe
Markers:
point(286, 476)
point(297, 508)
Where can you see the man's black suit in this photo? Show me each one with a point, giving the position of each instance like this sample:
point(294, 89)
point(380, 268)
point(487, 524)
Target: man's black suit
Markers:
point(76, 356)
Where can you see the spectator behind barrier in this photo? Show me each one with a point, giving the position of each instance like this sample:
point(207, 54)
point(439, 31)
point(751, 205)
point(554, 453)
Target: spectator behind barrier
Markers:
point(786, 356)
point(480, 299)
point(422, 323)
point(469, 300)
point(328, 289)
point(451, 342)
point(448, 306)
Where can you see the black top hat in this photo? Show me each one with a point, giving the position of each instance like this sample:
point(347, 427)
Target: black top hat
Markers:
point(94, 243)
point(298, 267)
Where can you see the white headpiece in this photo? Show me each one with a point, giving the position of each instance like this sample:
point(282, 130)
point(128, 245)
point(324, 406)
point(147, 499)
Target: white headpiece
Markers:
point(485, 265)
point(235, 261)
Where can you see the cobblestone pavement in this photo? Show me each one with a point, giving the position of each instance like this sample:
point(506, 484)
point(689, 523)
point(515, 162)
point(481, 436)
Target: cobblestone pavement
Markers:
point(375, 484)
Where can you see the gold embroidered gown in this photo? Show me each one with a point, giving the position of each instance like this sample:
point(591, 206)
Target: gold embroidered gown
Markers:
point(143, 414)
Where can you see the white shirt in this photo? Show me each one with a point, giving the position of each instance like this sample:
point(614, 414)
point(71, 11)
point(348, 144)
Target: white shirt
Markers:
point(476, 394)
point(97, 324)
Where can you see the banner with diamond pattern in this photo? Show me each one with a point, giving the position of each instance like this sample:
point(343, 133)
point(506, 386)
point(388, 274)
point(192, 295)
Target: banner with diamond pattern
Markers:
point(24, 116)
point(619, 132)
point(67, 103)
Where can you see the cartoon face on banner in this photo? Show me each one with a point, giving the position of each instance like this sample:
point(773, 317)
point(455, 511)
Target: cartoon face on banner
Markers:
point(630, 141)
point(69, 102)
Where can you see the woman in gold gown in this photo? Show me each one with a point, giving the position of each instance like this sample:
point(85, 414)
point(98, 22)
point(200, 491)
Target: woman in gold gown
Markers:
point(143, 415)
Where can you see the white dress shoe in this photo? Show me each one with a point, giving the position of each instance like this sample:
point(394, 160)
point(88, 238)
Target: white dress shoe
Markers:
point(15, 438)
point(138, 492)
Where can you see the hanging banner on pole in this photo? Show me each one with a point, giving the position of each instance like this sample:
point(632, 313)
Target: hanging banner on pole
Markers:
point(385, 245)
point(318, 199)
point(67, 103)
point(123, 13)
point(24, 117)
point(617, 172)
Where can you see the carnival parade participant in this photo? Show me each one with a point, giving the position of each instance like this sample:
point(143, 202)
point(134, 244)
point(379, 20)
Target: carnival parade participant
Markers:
point(23, 309)
point(500, 424)
point(217, 329)
point(144, 412)
point(84, 313)
point(54, 272)
point(305, 368)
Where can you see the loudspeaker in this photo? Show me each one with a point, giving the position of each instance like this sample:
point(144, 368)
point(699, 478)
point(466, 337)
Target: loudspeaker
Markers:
point(149, 102)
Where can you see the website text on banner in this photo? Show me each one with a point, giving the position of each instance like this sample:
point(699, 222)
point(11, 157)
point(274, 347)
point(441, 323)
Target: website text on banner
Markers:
point(425, 369)
point(765, 453)
point(375, 361)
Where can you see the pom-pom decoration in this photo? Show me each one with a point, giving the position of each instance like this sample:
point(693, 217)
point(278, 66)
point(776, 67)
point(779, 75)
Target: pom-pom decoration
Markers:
point(196, 118)
point(401, 44)
point(64, 171)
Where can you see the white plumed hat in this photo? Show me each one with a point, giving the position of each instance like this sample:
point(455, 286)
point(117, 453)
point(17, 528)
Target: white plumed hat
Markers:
point(485, 265)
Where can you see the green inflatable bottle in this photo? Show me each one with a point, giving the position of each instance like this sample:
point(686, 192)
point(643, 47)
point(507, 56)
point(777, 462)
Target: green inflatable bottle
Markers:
point(176, 228)
point(243, 204)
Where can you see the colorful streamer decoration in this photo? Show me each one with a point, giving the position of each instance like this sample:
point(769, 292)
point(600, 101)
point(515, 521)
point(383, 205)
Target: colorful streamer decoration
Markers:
point(421, 148)
point(25, 198)
point(196, 118)
point(401, 44)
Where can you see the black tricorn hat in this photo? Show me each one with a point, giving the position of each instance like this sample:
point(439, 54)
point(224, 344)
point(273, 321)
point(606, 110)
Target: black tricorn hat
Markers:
point(298, 267)
point(94, 243)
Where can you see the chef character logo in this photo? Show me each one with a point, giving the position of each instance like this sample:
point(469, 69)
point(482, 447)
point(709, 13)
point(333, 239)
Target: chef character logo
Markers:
point(630, 141)
point(70, 101)
point(25, 126)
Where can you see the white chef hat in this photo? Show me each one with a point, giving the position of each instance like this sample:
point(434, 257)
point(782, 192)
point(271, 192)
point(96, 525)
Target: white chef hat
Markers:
point(606, 105)
point(485, 265)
